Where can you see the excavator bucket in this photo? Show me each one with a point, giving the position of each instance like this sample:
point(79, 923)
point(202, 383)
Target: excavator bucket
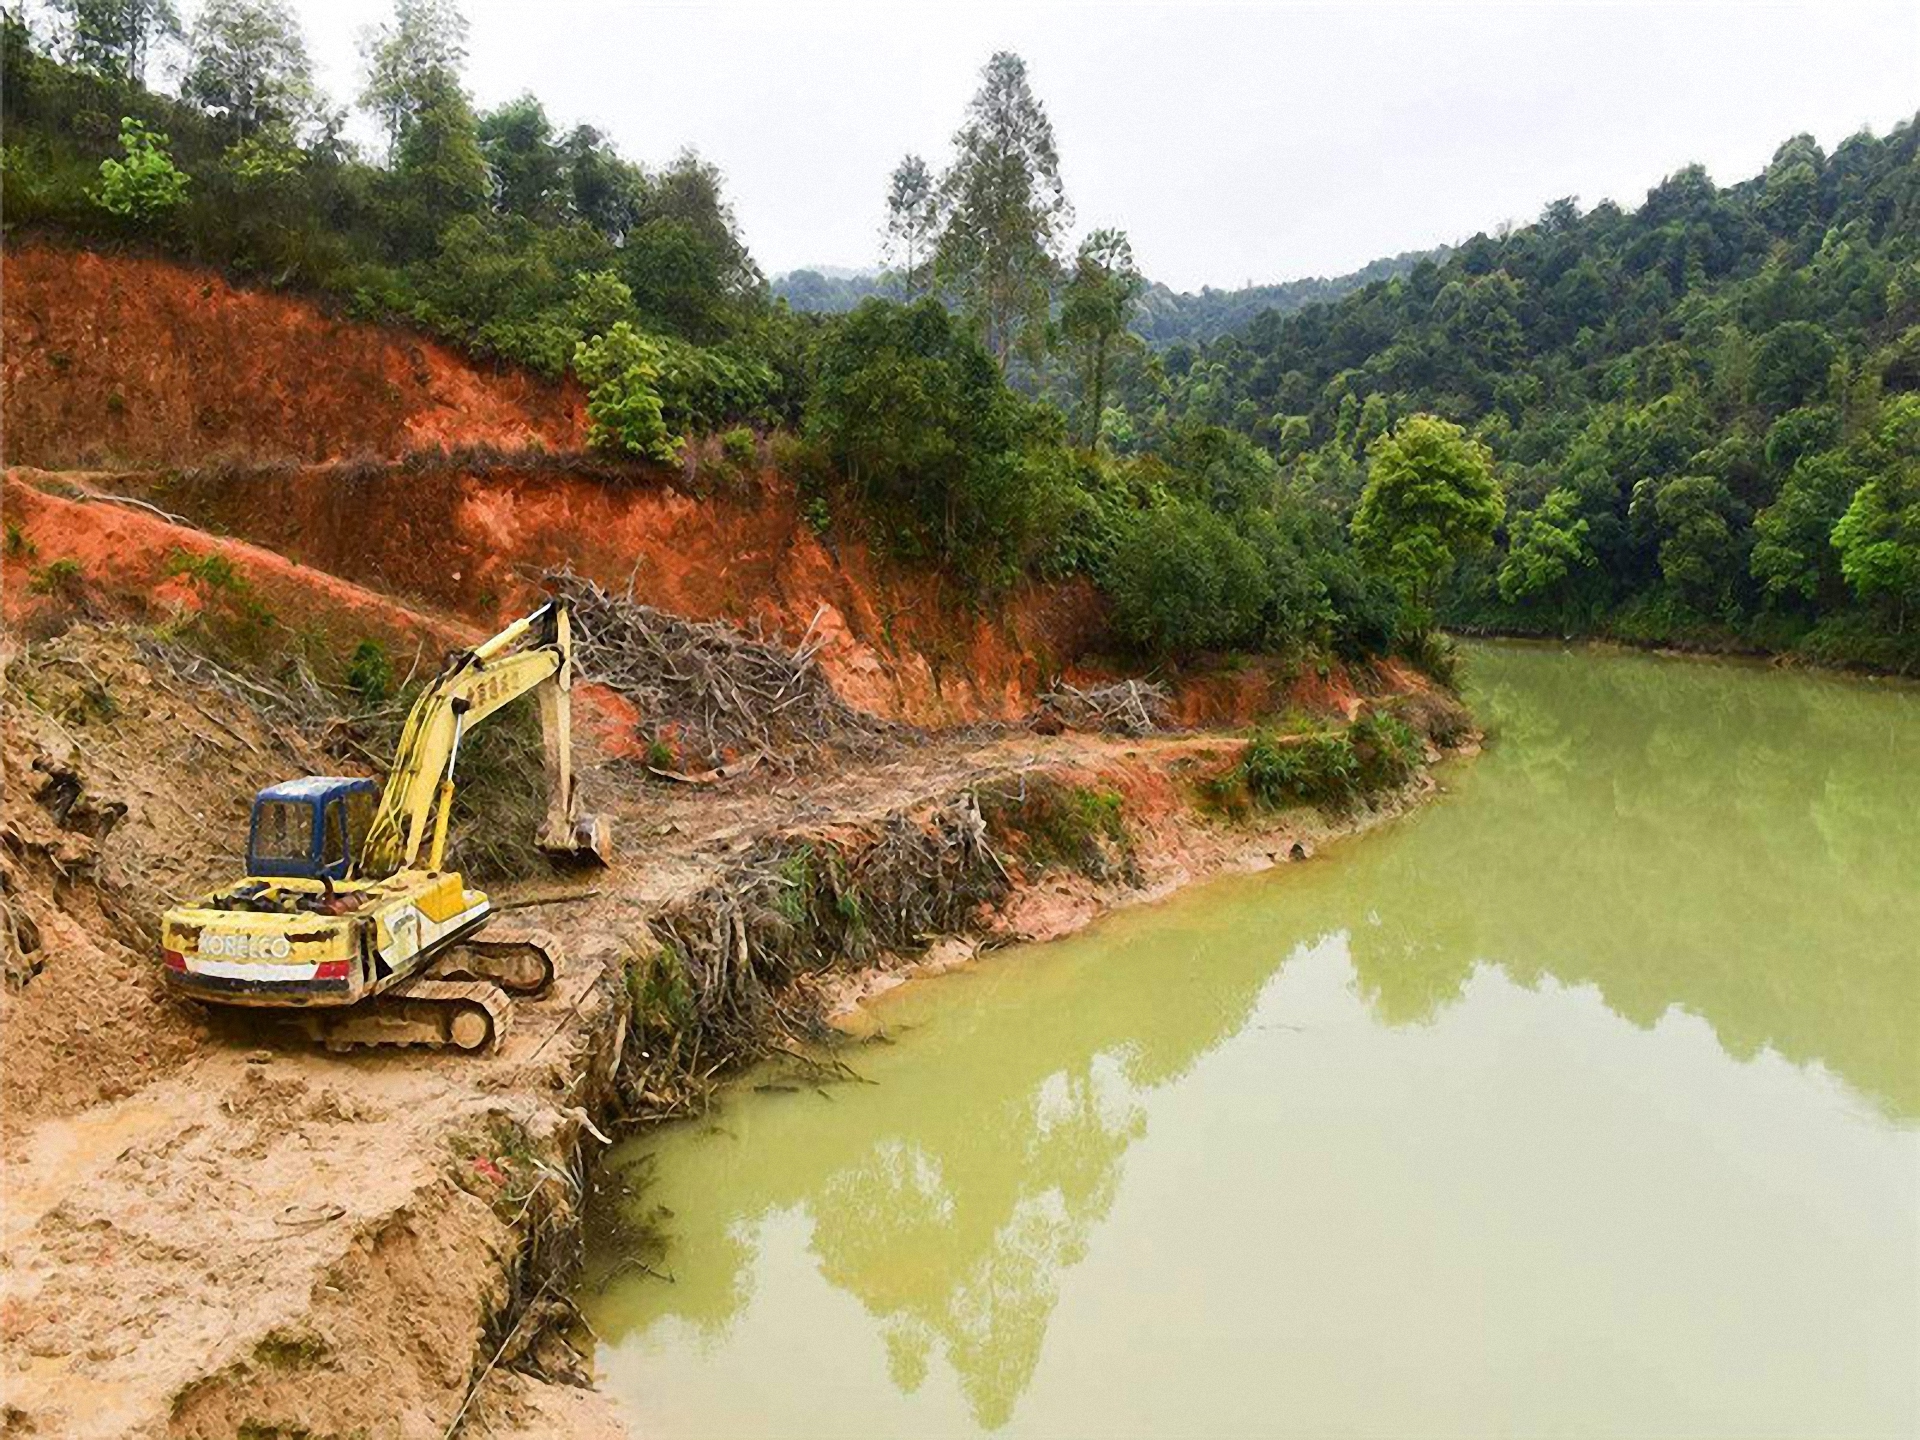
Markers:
point(586, 840)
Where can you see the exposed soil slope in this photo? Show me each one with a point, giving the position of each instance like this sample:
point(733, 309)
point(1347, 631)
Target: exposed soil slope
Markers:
point(114, 360)
point(308, 1243)
point(129, 563)
point(902, 643)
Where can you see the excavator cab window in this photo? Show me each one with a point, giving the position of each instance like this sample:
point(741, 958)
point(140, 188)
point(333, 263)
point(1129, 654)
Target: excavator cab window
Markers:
point(309, 828)
point(282, 830)
point(360, 808)
point(333, 838)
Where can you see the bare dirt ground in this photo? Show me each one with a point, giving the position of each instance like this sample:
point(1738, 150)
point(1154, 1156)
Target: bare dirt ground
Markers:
point(214, 1229)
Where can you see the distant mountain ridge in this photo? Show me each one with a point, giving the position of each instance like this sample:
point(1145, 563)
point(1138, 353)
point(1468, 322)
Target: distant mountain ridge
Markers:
point(831, 289)
point(1165, 315)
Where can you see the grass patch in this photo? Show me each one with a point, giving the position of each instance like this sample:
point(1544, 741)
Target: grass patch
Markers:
point(231, 621)
point(1281, 771)
point(660, 993)
point(60, 580)
point(1056, 825)
point(1331, 770)
point(1387, 754)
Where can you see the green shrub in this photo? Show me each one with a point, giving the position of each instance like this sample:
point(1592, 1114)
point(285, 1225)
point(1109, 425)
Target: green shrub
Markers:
point(1181, 581)
point(370, 674)
point(146, 185)
point(915, 414)
point(621, 370)
point(62, 579)
point(1313, 770)
point(1386, 752)
point(740, 448)
point(1053, 824)
point(211, 572)
point(660, 993)
point(1433, 654)
point(705, 387)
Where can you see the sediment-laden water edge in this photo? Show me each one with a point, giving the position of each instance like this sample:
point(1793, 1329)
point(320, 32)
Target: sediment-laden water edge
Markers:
point(1586, 1097)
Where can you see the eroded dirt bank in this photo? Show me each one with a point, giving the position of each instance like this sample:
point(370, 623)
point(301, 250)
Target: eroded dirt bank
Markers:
point(473, 542)
point(119, 360)
point(301, 1243)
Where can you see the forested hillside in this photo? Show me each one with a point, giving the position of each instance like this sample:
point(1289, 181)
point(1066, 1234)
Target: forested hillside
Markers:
point(1702, 411)
point(1694, 420)
point(1166, 315)
point(540, 245)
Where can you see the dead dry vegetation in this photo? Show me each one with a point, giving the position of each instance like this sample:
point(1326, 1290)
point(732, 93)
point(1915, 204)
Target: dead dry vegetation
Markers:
point(725, 695)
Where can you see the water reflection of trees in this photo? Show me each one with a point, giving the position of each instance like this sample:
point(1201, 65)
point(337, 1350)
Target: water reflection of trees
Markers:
point(1671, 834)
point(1745, 847)
point(976, 1176)
point(963, 1252)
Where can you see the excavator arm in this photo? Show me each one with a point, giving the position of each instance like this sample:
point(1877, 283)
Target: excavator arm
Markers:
point(533, 653)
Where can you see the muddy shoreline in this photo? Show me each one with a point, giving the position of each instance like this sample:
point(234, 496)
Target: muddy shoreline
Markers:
point(381, 1243)
point(1173, 850)
point(306, 1244)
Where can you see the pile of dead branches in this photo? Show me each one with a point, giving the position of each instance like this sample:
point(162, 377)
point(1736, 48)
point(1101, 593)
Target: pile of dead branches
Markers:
point(720, 988)
point(1131, 707)
point(729, 694)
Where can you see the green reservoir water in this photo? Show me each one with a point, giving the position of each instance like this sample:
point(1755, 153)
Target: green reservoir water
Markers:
point(1585, 1101)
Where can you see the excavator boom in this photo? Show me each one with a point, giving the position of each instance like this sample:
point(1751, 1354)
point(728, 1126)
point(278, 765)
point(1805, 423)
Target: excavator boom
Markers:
point(532, 653)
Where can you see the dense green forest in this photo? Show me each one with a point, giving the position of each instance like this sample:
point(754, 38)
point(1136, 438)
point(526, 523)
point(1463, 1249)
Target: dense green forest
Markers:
point(1165, 315)
point(1702, 412)
point(1692, 420)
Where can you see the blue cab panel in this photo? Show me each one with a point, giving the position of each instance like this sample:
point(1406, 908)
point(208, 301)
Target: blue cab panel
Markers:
point(310, 828)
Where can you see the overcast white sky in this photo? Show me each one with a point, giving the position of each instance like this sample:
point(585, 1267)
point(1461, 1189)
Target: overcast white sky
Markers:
point(1234, 142)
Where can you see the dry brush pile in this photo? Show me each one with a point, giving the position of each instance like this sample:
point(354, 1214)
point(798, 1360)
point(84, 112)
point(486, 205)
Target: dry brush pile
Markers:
point(722, 984)
point(731, 695)
point(1128, 707)
point(724, 978)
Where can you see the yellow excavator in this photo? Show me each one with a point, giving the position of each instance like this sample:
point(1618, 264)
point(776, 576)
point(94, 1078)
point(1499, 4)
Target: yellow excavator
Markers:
point(338, 918)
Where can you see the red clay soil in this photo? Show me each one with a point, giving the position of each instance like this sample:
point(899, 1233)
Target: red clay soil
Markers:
point(128, 567)
point(1257, 687)
point(114, 360)
point(128, 363)
point(900, 643)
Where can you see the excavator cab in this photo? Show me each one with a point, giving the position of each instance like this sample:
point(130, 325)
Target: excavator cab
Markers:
point(313, 828)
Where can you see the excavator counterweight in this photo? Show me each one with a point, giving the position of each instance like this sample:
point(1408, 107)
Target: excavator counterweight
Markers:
point(343, 917)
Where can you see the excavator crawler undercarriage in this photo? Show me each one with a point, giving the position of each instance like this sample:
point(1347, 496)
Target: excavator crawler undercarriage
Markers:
point(446, 1014)
point(522, 964)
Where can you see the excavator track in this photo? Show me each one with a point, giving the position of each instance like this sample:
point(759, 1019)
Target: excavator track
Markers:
point(470, 1015)
point(522, 963)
